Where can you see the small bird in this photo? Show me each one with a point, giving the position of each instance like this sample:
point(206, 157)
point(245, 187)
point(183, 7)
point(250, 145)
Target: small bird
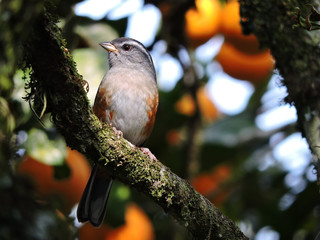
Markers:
point(127, 98)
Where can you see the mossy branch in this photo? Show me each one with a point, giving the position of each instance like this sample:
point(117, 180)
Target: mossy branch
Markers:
point(54, 76)
point(296, 51)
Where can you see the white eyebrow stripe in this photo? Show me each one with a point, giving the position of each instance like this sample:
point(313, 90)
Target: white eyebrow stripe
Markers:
point(142, 48)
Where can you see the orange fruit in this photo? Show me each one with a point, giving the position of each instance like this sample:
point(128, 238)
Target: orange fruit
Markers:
point(87, 231)
point(208, 111)
point(137, 226)
point(173, 137)
point(251, 67)
point(231, 28)
point(202, 22)
point(186, 105)
point(209, 184)
point(69, 190)
point(204, 184)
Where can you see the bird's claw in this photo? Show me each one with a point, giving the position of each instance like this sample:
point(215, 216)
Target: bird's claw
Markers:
point(149, 153)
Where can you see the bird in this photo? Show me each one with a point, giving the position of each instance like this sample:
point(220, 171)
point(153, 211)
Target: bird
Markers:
point(127, 99)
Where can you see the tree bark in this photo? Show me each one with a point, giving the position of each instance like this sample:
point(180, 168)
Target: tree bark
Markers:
point(54, 77)
point(296, 52)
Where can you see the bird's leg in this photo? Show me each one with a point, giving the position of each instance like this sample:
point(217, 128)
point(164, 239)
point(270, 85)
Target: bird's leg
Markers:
point(149, 153)
point(117, 132)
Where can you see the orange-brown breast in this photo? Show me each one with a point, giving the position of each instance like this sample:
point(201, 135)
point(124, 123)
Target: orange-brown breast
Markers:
point(153, 106)
point(101, 104)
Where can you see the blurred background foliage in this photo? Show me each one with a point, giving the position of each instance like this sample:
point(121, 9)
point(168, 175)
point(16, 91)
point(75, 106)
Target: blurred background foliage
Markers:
point(221, 124)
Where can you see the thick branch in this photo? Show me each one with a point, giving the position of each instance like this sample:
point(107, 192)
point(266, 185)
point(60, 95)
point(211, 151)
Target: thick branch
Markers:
point(55, 77)
point(297, 58)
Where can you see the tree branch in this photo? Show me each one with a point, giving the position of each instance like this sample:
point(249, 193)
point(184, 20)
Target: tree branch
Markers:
point(55, 78)
point(297, 58)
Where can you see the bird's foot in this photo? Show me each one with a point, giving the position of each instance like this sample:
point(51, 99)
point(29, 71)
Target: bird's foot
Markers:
point(149, 153)
point(117, 132)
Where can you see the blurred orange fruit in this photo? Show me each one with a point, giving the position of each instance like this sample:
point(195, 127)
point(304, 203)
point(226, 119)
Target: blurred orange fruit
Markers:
point(69, 190)
point(205, 184)
point(231, 28)
point(173, 137)
point(251, 67)
point(209, 184)
point(203, 22)
point(137, 226)
point(186, 105)
point(208, 110)
point(87, 231)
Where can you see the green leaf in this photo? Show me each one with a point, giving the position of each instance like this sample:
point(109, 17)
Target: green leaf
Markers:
point(41, 148)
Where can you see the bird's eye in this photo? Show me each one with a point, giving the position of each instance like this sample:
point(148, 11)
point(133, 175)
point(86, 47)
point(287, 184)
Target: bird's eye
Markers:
point(126, 47)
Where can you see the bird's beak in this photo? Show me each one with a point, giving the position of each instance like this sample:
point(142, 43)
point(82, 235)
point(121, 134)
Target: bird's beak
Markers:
point(109, 47)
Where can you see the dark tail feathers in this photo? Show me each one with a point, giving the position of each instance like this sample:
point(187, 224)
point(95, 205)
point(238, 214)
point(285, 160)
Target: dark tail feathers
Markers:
point(93, 204)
